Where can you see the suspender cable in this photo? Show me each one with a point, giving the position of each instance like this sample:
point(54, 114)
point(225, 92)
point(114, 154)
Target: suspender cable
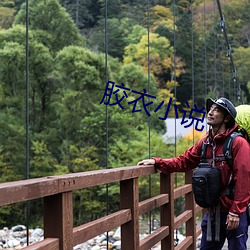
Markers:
point(107, 76)
point(192, 19)
point(205, 51)
point(27, 112)
point(175, 94)
point(149, 142)
point(222, 68)
point(215, 54)
point(229, 53)
point(174, 73)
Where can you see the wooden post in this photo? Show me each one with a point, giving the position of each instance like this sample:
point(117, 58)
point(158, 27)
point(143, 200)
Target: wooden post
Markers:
point(190, 205)
point(129, 197)
point(167, 210)
point(58, 219)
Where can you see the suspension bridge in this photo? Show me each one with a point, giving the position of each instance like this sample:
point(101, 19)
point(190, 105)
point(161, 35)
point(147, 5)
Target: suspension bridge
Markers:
point(56, 192)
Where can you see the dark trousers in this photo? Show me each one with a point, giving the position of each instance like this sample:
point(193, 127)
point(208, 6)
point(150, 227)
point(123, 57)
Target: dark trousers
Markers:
point(237, 238)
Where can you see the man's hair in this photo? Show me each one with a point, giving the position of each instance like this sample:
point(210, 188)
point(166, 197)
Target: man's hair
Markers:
point(231, 122)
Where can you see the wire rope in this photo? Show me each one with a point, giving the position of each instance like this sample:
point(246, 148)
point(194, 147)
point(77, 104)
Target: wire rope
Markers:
point(175, 94)
point(236, 83)
point(106, 111)
point(149, 125)
point(205, 49)
point(27, 207)
point(215, 53)
point(192, 77)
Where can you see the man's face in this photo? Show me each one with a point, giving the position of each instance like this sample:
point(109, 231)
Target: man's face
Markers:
point(215, 116)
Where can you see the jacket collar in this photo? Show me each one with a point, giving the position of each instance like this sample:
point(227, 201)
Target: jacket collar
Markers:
point(221, 136)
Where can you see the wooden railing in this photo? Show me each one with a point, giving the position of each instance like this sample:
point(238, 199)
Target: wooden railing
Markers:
point(59, 232)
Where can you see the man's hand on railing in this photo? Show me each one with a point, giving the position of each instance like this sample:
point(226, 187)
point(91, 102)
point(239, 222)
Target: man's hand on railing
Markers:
point(146, 162)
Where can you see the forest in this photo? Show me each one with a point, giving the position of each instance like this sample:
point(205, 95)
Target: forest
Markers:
point(56, 69)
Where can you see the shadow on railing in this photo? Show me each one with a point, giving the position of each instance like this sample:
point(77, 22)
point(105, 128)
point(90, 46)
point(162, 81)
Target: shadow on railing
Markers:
point(56, 192)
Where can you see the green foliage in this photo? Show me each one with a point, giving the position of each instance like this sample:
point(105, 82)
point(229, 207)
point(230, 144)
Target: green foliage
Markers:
point(242, 63)
point(70, 129)
point(6, 17)
point(84, 13)
point(42, 162)
point(53, 25)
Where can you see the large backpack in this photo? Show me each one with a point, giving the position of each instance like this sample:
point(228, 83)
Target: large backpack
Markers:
point(243, 120)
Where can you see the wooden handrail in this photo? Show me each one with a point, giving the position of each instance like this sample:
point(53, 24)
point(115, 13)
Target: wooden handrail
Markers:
point(58, 208)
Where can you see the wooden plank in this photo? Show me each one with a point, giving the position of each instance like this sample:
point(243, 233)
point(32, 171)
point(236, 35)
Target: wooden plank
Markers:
point(129, 196)
point(154, 238)
point(198, 209)
point(167, 210)
point(90, 230)
point(182, 218)
point(198, 231)
point(185, 244)
point(46, 244)
point(24, 190)
point(99, 177)
point(178, 192)
point(58, 219)
point(190, 205)
point(152, 203)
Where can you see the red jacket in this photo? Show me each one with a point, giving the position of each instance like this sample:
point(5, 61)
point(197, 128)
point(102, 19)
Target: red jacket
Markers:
point(241, 167)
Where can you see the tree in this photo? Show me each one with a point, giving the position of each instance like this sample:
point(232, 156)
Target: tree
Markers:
point(242, 64)
point(84, 13)
point(53, 25)
point(6, 17)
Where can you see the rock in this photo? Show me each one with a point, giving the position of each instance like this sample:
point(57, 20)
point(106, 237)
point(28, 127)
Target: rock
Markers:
point(100, 238)
point(95, 248)
point(13, 243)
point(111, 239)
point(117, 244)
point(111, 233)
point(38, 232)
point(117, 234)
point(18, 228)
point(3, 233)
point(16, 238)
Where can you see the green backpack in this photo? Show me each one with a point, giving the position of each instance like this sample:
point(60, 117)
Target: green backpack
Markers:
point(243, 119)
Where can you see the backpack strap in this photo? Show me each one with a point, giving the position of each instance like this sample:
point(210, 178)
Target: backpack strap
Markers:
point(227, 151)
point(203, 152)
point(227, 148)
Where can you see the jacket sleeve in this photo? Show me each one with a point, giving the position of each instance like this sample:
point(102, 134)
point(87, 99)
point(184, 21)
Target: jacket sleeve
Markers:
point(185, 162)
point(241, 175)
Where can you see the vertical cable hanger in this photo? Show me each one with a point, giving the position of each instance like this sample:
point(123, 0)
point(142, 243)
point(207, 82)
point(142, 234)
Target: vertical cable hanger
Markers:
point(229, 55)
point(205, 50)
point(174, 73)
point(192, 20)
point(149, 127)
point(27, 208)
point(175, 94)
point(107, 77)
point(215, 54)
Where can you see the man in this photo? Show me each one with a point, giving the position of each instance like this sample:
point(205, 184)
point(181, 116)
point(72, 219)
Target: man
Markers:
point(233, 212)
